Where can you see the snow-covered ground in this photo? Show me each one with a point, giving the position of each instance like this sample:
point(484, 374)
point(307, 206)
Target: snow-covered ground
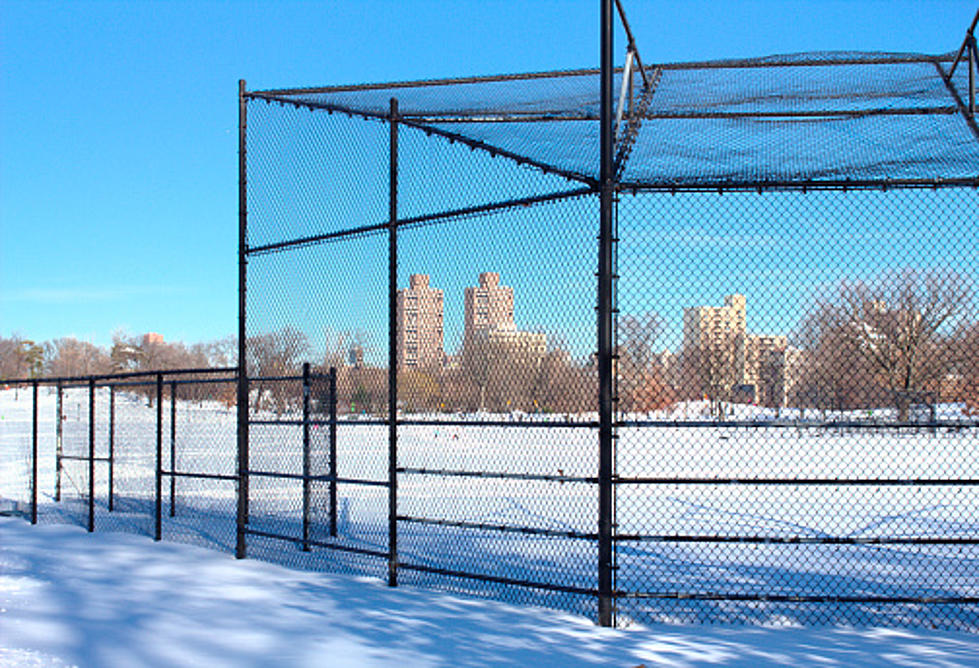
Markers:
point(204, 509)
point(111, 599)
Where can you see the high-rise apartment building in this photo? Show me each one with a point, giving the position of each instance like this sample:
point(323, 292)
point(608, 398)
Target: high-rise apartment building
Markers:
point(419, 324)
point(713, 326)
point(487, 307)
point(755, 367)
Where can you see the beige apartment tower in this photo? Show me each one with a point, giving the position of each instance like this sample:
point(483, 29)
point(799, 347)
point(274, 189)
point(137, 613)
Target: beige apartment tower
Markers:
point(760, 366)
point(419, 324)
point(711, 326)
point(487, 307)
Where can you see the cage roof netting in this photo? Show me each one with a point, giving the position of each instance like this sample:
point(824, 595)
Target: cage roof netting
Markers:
point(794, 119)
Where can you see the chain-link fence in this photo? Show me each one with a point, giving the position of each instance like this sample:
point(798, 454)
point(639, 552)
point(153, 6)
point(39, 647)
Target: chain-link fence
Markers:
point(775, 423)
point(793, 346)
point(151, 453)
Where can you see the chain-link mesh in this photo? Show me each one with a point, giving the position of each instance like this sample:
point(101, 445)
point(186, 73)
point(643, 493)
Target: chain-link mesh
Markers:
point(199, 456)
point(794, 364)
point(134, 415)
point(793, 442)
point(15, 450)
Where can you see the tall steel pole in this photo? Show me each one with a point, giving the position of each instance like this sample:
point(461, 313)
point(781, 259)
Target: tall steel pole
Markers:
point(158, 487)
point(393, 350)
point(605, 334)
point(307, 390)
point(34, 453)
point(242, 401)
point(112, 446)
point(91, 454)
point(58, 436)
point(173, 448)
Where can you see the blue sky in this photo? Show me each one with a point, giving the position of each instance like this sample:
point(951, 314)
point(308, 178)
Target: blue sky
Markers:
point(118, 166)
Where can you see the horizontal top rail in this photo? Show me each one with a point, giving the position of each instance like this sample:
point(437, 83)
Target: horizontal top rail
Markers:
point(47, 380)
point(776, 61)
point(801, 424)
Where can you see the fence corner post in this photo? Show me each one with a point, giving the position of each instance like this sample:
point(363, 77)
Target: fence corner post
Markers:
point(393, 348)
point(605, 325)
point(242, 380)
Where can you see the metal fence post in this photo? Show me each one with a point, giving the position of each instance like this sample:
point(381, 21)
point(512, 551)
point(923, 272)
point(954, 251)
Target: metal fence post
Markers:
point(58, 426)
point(393, 350)
point(605, 322)
point(333, 451)
point(158, 509)
point(91, 454)
point(112, 446)
point(173, 447)
point(34, 455)
point(242, 390)
point(306, 473)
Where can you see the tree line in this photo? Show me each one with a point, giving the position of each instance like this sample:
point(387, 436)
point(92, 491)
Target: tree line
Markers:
point(906, 338)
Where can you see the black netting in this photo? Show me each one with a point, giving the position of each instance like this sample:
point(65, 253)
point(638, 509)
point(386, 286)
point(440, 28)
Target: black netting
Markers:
point(799, 118)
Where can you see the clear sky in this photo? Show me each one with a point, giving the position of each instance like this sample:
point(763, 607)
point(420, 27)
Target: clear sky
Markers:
point(118, 165)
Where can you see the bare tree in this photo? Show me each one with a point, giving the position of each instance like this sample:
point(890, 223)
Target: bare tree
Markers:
point(897, 325)
point(276, 354)
point(641, 379)
point(20, 358)
point(70, 357)
point(710, 369)
point(836, 374)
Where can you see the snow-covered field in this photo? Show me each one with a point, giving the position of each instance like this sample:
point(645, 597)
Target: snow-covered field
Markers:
point(204, 509)
point(111, 599)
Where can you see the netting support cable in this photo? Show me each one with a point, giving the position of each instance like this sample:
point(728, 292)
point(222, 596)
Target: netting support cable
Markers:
point(973, 58)
point(605, 329)
point(631, 41)
point(242, 389)
point(624, 88)
point(393, 346)
point(963, 109)
point(969, 36)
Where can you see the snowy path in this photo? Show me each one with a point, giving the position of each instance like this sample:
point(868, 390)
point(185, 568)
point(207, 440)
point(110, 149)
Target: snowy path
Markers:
point(69, 598)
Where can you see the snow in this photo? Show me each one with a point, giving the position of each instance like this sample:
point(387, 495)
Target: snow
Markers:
point(205, 510)
point(110, 599)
